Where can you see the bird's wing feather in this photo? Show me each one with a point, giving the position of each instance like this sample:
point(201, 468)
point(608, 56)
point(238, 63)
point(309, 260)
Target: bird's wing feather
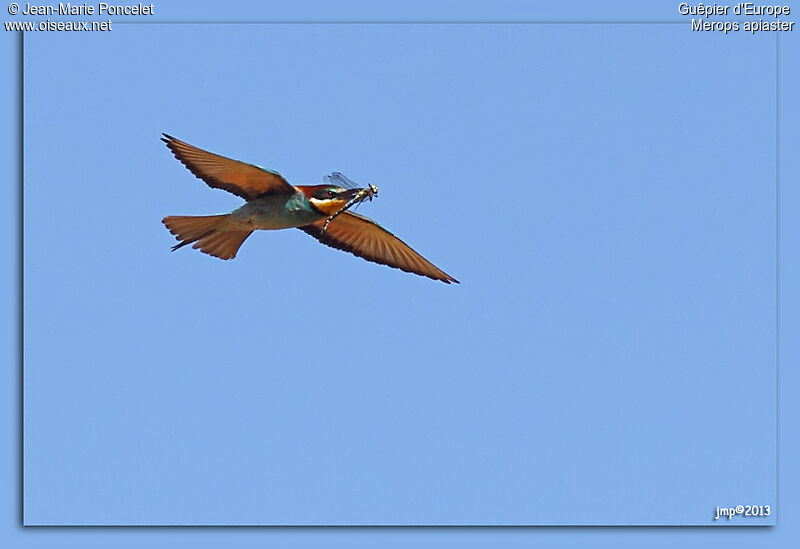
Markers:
point(363, 237)
point(219, 172)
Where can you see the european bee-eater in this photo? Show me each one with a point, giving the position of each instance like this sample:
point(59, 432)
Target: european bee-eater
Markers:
point(273, 203)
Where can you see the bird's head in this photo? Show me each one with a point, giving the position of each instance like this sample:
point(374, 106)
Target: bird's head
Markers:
point(330, 199)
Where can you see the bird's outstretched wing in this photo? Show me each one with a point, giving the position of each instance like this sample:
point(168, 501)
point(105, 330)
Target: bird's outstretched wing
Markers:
point(363, 237)
point(219, 172)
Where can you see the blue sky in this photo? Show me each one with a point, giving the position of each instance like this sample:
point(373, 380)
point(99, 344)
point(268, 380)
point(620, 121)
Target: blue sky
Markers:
point(609, 208)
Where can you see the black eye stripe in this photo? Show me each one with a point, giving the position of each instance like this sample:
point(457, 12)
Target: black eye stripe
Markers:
point(324, 194)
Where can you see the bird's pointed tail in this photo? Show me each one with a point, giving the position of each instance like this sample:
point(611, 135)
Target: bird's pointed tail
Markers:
point(208, 234)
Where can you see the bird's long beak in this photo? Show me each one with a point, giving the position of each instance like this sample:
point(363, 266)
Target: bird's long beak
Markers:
point(353, 196)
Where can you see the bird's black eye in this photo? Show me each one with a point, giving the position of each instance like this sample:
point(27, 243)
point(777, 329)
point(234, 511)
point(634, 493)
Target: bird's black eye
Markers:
point(331, 194)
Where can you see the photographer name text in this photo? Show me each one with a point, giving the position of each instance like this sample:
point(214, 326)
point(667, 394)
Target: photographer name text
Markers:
point(68, 8)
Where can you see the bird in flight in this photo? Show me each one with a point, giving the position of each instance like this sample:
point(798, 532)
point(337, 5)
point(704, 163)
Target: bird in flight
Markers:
point(273, 203)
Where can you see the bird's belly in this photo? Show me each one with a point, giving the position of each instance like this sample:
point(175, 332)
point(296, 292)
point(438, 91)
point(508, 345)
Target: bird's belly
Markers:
point(271, 214)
